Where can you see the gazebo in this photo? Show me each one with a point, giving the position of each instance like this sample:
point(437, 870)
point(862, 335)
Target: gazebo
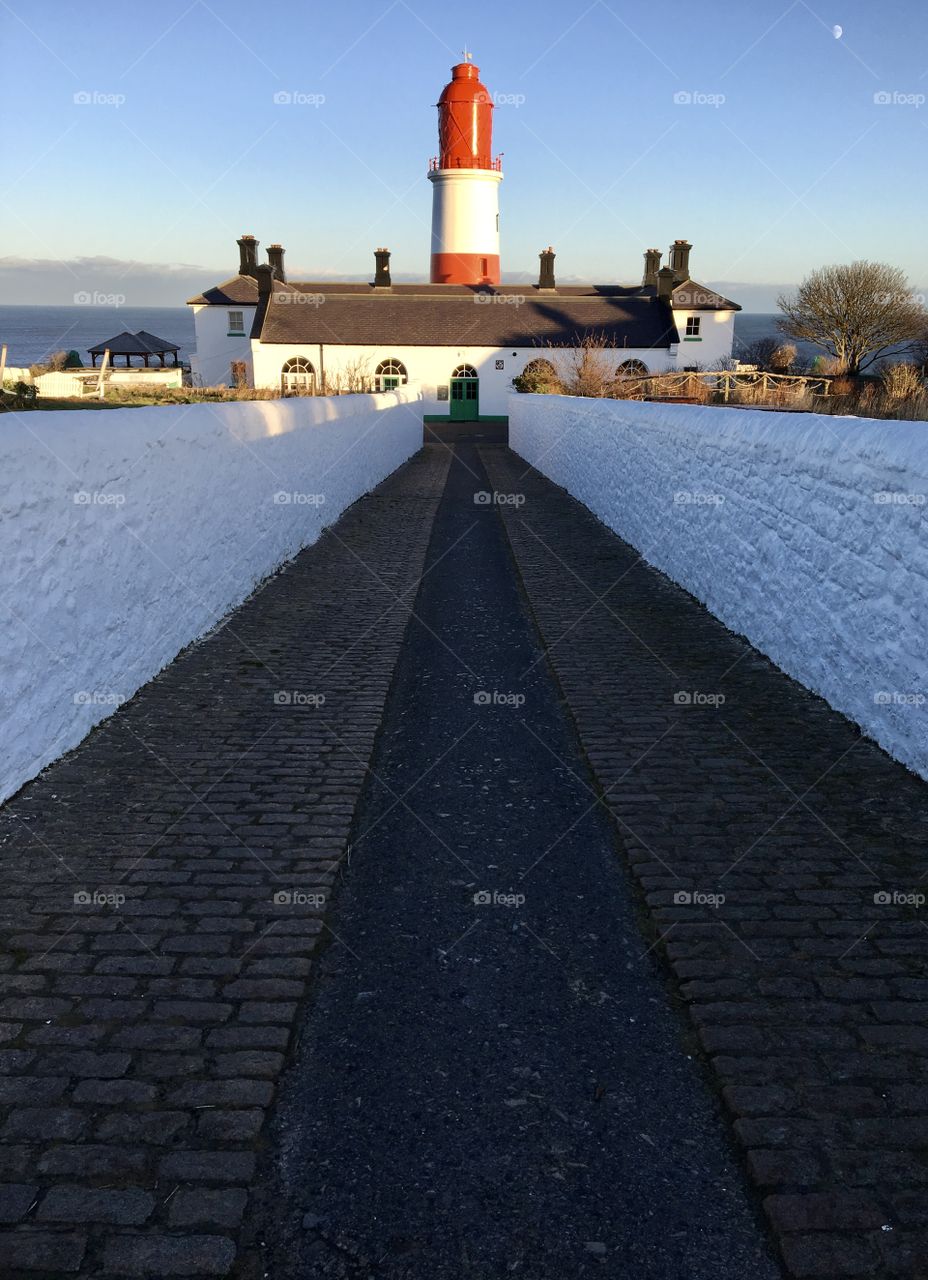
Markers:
point(141, 344)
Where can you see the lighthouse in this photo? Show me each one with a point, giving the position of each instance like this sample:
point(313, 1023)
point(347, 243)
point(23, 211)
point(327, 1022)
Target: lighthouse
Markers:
point(465, 181)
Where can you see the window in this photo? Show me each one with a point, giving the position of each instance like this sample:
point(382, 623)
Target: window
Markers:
point(692, 326)
point(237, 322)
point(538, 377)
point(297, 377)
point(464, 371)
point(632, 369)
point(389, 374)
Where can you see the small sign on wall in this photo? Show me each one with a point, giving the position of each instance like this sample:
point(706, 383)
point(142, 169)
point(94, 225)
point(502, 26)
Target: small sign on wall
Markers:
point(442, 393)
point(501, 364)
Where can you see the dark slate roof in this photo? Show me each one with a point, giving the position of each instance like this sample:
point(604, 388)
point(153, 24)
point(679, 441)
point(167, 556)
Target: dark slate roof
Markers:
point(455, 315)
point(133, 344)
point(236, 291)
point(699, 297)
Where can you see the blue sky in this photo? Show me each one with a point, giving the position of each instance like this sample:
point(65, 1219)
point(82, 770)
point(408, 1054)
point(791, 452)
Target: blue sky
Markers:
point(781, 161)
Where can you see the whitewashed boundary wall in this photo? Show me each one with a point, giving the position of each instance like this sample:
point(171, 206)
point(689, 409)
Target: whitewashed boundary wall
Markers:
point(125, 534)
point(808, 534)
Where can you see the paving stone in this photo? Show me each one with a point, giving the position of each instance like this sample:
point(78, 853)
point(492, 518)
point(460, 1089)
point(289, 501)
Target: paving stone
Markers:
point(203, 1206)
point(43, 1252)
point(125, 1207)
point(168, 1255)
point(16, 1199)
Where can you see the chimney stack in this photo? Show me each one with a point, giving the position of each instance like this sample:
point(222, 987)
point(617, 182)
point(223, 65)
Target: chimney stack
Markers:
point(546, 270)
point(265, 277)
point(652, 264)
point(382, 269)
point(680, 260)
point(665, 283)
point(275, 258)
point(248, 256)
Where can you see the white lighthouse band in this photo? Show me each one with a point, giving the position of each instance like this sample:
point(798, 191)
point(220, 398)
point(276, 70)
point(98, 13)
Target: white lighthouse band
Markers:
point(465, 225)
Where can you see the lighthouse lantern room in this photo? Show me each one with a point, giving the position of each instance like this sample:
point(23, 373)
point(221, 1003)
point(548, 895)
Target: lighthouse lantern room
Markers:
point(465, 179)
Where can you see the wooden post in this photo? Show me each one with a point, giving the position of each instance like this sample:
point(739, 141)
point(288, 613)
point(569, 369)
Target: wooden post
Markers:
point(727, 392)
point(2, 362)
point(106, 360)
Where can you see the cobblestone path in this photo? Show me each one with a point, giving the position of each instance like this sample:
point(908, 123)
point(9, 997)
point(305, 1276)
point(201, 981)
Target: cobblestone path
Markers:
point(808, 985)
point(491, 1081)
point(697, 998)
point(141, 1039)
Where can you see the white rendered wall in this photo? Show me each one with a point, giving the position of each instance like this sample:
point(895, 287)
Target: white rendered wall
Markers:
point(216, 349)
point(432, 367)
point(465, 211)
point(807, 534)
point(716, 335)
point(127, 533)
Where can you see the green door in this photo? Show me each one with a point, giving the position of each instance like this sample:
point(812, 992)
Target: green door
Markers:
point(464, 399)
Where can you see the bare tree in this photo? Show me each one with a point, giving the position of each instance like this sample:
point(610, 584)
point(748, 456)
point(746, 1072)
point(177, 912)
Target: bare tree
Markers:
point(856, 313)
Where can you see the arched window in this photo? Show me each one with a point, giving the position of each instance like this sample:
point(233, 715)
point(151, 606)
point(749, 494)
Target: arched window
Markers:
point(464, 371)
point(390, 374)
point(297, 377)
point(538, 376)
point(632, 369)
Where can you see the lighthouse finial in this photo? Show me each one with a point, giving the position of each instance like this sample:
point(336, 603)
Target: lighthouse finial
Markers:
point(467, 54)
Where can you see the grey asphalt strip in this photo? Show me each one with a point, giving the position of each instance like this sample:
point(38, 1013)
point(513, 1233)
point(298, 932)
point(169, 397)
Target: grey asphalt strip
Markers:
point(491, 1078)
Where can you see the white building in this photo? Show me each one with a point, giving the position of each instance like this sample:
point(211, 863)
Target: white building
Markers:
point(463, 336)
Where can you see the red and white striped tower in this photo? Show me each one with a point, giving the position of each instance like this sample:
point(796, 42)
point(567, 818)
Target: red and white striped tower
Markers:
point(465, 184)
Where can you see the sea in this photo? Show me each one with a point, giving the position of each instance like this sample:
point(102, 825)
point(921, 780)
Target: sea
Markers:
point(32, 334)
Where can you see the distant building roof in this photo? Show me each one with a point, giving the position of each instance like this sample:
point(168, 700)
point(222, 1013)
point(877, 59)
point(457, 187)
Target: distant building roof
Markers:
point(133, 344)
point(691, 296)
point(237, 290)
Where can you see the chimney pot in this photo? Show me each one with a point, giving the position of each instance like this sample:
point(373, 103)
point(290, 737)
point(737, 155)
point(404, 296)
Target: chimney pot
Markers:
point(546, 270)
point(265, 277)
point(652, 264)
point(680, 260)
point(275, 258)
point(382, 269)
point(665, 283)
point(248, 255)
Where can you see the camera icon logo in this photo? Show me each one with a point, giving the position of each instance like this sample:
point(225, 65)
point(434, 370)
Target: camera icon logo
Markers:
point(682, 898)
point(282, 698)
point(483, 499)
point(283, 98)
point(882, 898)
point(283, 898)
point(682, 98)
point(882, 99)
point(482, 898)
point(82, 898)
point(682, 698)
point(482, 699)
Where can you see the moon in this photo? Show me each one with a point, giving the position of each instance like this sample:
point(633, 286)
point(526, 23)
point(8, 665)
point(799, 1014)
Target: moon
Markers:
point(837, 32)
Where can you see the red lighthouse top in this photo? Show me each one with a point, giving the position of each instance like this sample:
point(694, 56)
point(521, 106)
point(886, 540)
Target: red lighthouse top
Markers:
point(465, 122)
